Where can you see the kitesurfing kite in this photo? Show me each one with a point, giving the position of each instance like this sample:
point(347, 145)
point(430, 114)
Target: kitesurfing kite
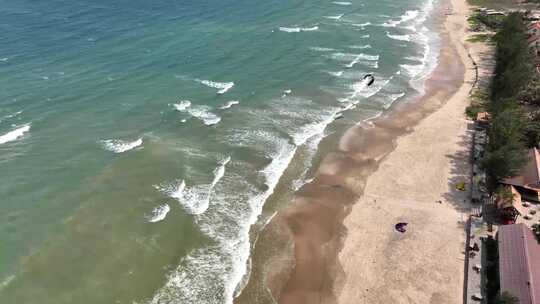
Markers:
point(370, 79)
point(401, 227)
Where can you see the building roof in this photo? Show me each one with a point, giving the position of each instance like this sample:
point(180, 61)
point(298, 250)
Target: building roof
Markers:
point(519, 263)
point(515, 202)
point(529, 175)
point(535, 25)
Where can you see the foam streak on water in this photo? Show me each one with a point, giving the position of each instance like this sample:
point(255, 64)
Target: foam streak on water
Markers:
point(222, 87)
point(159, 213)
point(229, 104)
point(121, 146)
point(14, 134)
point(195, 199)
point(298, 29)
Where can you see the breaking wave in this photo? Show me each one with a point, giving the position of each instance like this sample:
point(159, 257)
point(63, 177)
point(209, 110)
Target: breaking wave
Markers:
point(182, 105)
point(334, 17)
point(120, 146)
point(222, 87)
point(337, 74)
point(229, 104)
point(298, 29)
point(203, 113)
point(321, 49)
point(159, 213)
point(195, 199)
point(360, 47)
point(408, 16)
point(399, 37)
point(15, 134)
point(361, 24)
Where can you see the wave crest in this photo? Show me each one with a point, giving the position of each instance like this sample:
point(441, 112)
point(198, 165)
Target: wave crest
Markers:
point(15, 134)
point(159, 213)
point(121, 146)
point(222, 87)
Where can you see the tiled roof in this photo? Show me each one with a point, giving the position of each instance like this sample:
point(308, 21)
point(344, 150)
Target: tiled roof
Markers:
point(519, 263)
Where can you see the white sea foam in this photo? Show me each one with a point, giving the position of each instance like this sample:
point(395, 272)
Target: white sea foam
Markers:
point(14, 114)
point(229, 104)
point(203, 113)
point(214, 274)
point(337, 74)
point(399, 37)
point(120, 146)
point(298, 29)
point(5, 59)
point(372, 58)
point(362, 25)
point(11, 115)
point(412, 70)
point(349, 56)
point(286, 93)
point(361, 89)
point(223, 87)
point(365, 36)
point(360, 47)
point(342, 2)
point(321, 49)
point(182, 105)
point(334, 17)
point(14, 134)
point(159, 213)
point(408, 16)
point(195, 199)
point(306, 132)
point(281, 159)
point(219, 172)
point(392, 98)
point(5, 283)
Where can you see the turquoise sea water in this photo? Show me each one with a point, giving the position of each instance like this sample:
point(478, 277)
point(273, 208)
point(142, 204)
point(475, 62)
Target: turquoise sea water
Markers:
point(140, 140)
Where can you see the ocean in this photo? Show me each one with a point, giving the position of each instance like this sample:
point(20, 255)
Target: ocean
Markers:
point(143, 144)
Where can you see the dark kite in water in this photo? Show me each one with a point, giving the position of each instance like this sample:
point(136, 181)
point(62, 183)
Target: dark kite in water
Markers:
point(370, 79)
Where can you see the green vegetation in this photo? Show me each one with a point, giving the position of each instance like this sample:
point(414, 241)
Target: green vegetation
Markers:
point(514, 69)
point(514, 104)
point(480, 22)
point(479, 38)
point(492, 270)
point(536, 231)
point(479, 98)
point(494, 4)
point(507, 298)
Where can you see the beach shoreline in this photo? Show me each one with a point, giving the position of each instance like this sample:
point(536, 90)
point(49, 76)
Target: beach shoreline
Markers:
point(331, 216)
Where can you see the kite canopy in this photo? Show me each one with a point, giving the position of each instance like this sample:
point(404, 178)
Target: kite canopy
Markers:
point(401, 227)
point(370, 79)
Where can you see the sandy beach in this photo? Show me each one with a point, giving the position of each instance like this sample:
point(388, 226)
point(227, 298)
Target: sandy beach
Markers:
point(401, 168)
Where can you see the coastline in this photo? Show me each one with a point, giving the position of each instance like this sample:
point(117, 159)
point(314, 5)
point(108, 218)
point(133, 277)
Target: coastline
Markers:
point(424, 265)
point(331, 219)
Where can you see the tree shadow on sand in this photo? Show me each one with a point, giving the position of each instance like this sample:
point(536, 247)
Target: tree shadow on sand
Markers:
point(461, 173)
